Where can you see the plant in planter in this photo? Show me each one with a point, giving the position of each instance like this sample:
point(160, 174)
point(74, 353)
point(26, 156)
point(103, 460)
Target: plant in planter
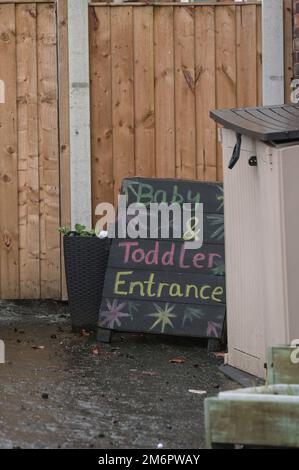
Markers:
point(80, 231)
point(86, 257)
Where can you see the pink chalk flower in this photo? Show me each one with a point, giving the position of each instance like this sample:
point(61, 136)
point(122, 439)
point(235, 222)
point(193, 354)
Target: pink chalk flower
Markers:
point(214, 330)
point(113, 315)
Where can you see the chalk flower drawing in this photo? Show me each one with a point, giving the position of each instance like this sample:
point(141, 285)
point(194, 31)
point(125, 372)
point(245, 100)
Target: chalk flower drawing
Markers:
point(191, 314)
point(214, 329)
point(220, 198)
point(163, 315)
point(219, 269)
point(114, 314)
point(217, 220)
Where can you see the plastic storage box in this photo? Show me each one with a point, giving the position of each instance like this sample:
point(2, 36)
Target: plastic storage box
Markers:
point(261, 193)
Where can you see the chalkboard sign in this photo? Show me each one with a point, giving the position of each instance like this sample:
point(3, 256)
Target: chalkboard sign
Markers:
point(156, 285)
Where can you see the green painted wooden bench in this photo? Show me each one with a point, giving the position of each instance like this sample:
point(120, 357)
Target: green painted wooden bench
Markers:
point(263, 417)
point(282, 367)
point(256, 417)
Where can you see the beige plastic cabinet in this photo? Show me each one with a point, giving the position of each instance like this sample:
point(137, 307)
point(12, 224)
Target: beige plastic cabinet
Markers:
point(261, 194)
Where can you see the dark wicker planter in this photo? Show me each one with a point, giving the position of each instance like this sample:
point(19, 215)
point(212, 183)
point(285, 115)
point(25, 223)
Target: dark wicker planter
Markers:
point(85, 265)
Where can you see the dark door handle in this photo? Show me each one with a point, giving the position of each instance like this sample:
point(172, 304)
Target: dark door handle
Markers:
point(236, 153)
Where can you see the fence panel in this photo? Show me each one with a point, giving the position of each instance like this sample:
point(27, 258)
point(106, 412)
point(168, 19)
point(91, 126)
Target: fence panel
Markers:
point(156, 71)
point(30, 251)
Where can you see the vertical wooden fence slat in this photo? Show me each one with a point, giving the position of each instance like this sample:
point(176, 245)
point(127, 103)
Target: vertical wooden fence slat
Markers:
point(9, 245)
point(185, 83)
point(64, 128)
point(49, 151)
point(122, 94)
point(28, 173)
point(246, 56)
point(101, 106)
point(205, 93)
point(226, 96)
point(144, 95)
point(164, 92)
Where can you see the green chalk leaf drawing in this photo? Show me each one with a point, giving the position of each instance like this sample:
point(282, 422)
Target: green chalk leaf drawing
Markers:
point(114, 315)
point(191, 314)
point(220, 198)
point(133, 308)
point(163, 316)
point(129, 186)
point(217, 220)
point(219, 269)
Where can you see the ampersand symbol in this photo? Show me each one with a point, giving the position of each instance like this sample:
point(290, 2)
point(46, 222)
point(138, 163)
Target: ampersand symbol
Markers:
point(295, 353)
point(191, 233)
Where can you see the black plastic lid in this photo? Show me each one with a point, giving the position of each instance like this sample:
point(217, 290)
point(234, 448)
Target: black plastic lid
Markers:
point(266, 123)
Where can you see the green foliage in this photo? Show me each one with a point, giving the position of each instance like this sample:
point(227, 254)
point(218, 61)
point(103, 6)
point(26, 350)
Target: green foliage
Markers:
point(65, 231)
point(191, 314)
point(80, 231)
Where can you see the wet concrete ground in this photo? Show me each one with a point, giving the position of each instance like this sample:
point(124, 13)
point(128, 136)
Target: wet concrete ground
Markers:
point(60, 390)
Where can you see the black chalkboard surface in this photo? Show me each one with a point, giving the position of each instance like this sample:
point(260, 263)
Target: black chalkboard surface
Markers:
point(156, 285)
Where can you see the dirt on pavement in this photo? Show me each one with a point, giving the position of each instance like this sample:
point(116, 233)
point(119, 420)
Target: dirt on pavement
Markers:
point(61, 390)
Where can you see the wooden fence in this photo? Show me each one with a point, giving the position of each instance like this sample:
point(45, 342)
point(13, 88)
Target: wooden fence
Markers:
point(156, 71)
point(33, 146)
